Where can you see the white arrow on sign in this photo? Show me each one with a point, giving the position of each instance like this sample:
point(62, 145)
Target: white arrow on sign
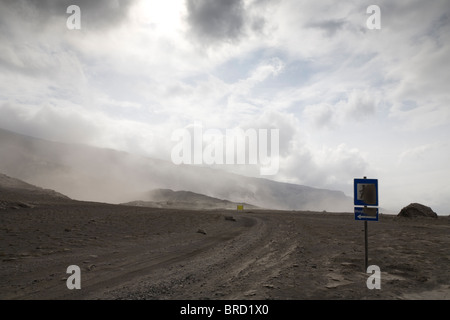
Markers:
point(364, 216)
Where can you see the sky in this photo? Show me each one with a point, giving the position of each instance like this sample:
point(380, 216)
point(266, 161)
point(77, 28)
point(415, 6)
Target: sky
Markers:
point(348, 100)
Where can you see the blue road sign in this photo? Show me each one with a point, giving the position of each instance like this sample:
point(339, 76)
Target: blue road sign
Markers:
point(365, 192)
point(365, 213)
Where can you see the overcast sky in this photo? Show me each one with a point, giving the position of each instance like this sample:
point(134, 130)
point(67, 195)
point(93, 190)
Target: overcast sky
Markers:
point(348, 101)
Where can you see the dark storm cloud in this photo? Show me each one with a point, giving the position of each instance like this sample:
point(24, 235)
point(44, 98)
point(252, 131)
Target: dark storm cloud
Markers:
point(98, 13)
point(222, 20)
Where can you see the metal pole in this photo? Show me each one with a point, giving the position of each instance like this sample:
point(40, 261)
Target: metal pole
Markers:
point(366, 244)
point(366, 260)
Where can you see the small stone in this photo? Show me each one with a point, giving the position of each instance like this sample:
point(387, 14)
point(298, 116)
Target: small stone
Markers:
point(9, 259)
point(250, 293)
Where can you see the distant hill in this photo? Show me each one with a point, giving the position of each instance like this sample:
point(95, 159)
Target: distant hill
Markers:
point(166, 198)
point(15, 193)
point(95, 174)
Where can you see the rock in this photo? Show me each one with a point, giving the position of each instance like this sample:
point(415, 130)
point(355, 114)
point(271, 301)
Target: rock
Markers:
point(9, 259)
point(417, 210)
point(201, 231)
point(250, 293)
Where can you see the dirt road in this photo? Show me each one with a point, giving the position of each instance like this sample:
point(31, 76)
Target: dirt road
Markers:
point(141, 253)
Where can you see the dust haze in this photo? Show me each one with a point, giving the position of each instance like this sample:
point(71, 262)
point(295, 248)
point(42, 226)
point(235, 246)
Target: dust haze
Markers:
point(95, 174)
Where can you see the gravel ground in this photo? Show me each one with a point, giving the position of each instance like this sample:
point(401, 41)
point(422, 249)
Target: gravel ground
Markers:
point(135, 253)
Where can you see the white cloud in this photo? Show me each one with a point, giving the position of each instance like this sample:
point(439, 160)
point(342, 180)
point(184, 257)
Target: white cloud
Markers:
point(311, 69)
point(322, 114)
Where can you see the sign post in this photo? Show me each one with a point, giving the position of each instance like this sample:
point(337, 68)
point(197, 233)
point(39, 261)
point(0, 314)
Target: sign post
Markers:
point(366, 246)
point(366, 198)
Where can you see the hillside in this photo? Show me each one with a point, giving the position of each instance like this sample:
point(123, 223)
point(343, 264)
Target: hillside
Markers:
point(166, 198)
point(15, 193)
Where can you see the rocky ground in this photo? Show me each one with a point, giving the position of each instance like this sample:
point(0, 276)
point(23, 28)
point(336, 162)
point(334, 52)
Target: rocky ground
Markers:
point(129, 252)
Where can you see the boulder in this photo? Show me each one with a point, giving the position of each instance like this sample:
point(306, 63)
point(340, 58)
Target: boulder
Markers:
point(417, 210)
